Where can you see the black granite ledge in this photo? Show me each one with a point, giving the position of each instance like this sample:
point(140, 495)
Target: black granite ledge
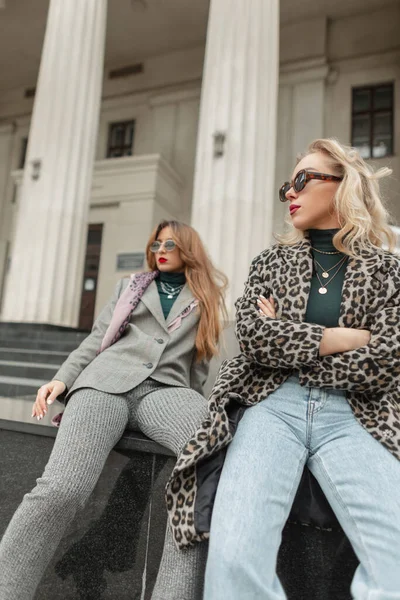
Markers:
point(113, 547)
point(15, 415)
point(131, 440)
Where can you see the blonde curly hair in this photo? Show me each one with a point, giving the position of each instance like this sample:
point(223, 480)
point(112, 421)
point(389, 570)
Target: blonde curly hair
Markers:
point(362, 215)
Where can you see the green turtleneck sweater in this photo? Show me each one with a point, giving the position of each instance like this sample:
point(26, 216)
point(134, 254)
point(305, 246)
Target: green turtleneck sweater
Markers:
point(171, 281)
point(324, 309)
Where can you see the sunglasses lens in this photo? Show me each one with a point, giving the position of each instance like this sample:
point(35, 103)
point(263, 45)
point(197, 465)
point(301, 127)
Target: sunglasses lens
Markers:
point(169, 245)
point(155, 246)
point(300, 181)
point(283, 191)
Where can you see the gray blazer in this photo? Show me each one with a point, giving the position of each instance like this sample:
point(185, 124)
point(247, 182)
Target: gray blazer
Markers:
point(145, 350)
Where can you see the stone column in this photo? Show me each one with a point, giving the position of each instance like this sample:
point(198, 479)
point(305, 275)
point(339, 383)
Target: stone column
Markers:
point(6, 144)
point(45, 278)
point(233, 191)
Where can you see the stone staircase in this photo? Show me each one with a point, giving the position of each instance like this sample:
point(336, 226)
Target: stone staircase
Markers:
point(31, 354)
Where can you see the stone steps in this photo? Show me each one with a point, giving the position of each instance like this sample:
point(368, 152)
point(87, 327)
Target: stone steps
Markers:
point(33, 356)
point(29, 370)
point(37, 331)
point(19, 386)
point(30, 355)
point(39, 344)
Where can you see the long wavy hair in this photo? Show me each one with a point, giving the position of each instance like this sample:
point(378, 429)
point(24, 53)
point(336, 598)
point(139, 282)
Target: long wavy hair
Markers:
point(363, 218)
point(207, 283)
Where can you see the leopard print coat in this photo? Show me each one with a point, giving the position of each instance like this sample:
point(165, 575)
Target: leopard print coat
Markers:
point(272, 348)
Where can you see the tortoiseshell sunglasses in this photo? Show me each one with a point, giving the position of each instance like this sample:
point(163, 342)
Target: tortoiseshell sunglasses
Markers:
point(301, 180)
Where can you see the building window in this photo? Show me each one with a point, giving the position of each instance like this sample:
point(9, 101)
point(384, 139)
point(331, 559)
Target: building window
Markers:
point(120, 139)
point(372, 120)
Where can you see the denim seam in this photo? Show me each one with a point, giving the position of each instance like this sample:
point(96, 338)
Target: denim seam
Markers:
point(310, 414)
point(299, 472)
point(318, 406)
point(344, 507)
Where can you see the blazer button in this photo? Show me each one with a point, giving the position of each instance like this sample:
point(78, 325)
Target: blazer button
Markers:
point(148, 365)
point(160, 341)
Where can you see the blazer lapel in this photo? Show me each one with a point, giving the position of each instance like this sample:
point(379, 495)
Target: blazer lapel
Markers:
point(362, 273)
point(183, 300)
point(151, 300)
point(295, 281)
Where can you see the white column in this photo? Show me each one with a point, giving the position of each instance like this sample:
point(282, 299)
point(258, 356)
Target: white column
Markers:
point(233, 193)
point(45, 279)
point(6, 143)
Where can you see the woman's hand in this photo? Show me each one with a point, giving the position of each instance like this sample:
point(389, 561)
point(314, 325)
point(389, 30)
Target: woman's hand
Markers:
point(267, 307)
point(343, 339)
point(46, 395)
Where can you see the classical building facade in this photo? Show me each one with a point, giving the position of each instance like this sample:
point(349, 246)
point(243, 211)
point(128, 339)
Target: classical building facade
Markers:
point(150, 109)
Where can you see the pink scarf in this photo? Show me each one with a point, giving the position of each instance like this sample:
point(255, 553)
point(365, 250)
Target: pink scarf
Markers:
point(127, 302)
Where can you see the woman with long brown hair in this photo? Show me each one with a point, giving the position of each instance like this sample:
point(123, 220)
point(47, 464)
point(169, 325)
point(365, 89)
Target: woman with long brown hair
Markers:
point(143, 368)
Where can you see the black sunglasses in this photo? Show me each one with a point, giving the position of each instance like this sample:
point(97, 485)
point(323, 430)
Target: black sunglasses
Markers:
point(301, 180)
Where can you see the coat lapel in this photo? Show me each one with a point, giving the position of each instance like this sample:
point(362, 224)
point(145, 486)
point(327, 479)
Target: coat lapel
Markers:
point(295, 281)
point(151, 300)
point(364, 272)
point(182, 301)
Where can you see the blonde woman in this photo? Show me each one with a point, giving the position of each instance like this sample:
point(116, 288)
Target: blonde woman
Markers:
point(142, 367)
point(318, 327)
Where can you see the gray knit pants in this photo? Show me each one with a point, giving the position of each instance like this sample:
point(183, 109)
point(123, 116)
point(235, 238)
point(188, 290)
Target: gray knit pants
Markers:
point(92, 424)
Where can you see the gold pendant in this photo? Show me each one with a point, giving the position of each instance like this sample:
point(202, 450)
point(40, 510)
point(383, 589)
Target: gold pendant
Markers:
point(325, 275)
point(322, 290)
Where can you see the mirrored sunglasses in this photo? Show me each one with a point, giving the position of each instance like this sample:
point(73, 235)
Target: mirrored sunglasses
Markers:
point(169, 245)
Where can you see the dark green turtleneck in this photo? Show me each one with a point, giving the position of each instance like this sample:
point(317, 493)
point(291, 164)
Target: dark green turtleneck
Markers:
point(325, 309)
point(172, 280)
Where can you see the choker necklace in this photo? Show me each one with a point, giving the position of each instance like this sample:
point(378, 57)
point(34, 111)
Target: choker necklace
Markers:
point(324, 285)
point(170, 290)
point(323, 252)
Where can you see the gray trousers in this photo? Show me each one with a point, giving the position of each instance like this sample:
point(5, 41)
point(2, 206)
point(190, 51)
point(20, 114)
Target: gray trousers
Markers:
point(92, 424)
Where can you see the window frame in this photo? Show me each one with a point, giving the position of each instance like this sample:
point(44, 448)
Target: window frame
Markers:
point(111, 148)
point(371, 112)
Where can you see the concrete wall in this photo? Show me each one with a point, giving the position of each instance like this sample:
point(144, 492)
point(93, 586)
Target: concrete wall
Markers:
point(321, 60)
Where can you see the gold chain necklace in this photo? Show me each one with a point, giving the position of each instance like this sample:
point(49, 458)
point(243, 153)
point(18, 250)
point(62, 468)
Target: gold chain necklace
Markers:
point(325, 272)
point(324, 285)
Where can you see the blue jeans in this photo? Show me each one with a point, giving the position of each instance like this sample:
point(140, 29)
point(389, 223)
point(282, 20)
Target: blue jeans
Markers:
point(295, 426)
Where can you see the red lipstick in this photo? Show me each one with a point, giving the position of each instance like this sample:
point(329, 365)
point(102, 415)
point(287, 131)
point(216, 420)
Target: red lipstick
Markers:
point(293, 208)
point(162, 260)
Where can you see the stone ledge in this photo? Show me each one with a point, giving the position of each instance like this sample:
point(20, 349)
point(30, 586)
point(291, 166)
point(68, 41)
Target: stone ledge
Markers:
point(131, 440)
point(15, 416)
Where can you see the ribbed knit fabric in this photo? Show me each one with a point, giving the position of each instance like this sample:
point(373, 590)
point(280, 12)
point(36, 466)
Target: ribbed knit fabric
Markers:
point(181, 572)
point(325, 309)
point(92, 424)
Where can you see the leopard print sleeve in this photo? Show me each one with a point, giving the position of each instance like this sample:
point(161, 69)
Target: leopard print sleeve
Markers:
point(374, 368)
point(276, 343)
